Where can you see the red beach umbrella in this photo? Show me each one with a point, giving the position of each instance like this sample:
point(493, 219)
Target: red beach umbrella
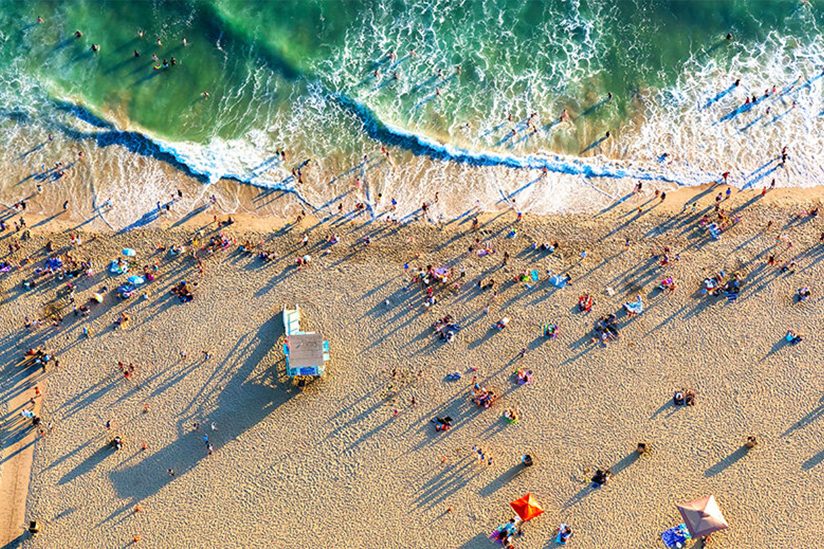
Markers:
point(526, 507)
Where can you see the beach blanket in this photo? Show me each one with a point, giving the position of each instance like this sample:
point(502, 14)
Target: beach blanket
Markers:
point(54, 263)
point(114, 268)
point(636, 307)
point(558, 281)
point(558, 538)
point(677, 536)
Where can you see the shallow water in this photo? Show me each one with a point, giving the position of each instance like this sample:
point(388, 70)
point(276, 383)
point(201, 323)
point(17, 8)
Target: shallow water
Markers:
point(317, 79)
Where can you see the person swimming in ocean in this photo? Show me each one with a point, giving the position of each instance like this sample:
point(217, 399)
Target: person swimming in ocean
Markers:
point(95, 47)
point(136, 53)
point(78, 34)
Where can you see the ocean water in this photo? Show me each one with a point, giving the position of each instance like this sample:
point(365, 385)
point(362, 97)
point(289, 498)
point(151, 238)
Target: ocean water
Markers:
point(446, 86)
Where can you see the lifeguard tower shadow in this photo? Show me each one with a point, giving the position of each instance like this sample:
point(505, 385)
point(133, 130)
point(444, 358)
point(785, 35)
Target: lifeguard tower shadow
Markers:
point(251, 394)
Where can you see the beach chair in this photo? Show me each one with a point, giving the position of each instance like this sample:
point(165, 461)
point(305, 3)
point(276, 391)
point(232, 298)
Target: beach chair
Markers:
point(326, 351)
point(732, 297)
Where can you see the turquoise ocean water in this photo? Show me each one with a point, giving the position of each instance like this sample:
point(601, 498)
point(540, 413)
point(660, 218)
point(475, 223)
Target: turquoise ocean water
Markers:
point(440, 83)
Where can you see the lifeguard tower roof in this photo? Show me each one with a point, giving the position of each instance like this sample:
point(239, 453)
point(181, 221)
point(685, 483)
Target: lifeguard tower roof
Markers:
point(305, 350)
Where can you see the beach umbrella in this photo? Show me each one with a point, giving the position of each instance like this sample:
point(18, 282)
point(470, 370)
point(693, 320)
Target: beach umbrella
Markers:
point(136, 280)
point(702, 516)
point(526, 507)
point(128, 252)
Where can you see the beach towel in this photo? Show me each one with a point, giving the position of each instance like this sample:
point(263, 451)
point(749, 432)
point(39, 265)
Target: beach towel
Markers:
point(114, 268)
point(635, 307)
point(54, 263)
point(534, 275)
point(677, 536)
point(558, 281)
point(558, 537)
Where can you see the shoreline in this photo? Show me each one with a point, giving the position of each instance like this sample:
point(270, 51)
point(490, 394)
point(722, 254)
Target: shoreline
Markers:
point(254, 221)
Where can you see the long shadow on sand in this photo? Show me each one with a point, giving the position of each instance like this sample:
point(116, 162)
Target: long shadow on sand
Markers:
point(728, 461)
point(243, 403)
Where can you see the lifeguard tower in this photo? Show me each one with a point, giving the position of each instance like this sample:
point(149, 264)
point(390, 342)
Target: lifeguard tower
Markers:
point(306, 352)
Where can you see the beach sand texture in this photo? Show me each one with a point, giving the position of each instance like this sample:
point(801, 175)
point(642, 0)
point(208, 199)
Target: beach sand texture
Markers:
point(333, 465)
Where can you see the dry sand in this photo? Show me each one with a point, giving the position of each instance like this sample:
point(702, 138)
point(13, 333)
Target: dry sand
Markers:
point(333, 465)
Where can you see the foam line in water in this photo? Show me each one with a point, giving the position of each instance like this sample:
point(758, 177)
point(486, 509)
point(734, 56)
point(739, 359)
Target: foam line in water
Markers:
point(424, 146)
point(194, 160)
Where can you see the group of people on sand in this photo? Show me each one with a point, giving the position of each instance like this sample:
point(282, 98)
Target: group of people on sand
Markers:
point(482, 396)
point(446, 328)
point(606, 329)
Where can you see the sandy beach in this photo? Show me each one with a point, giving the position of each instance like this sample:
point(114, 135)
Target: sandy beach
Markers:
point(351, 459)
